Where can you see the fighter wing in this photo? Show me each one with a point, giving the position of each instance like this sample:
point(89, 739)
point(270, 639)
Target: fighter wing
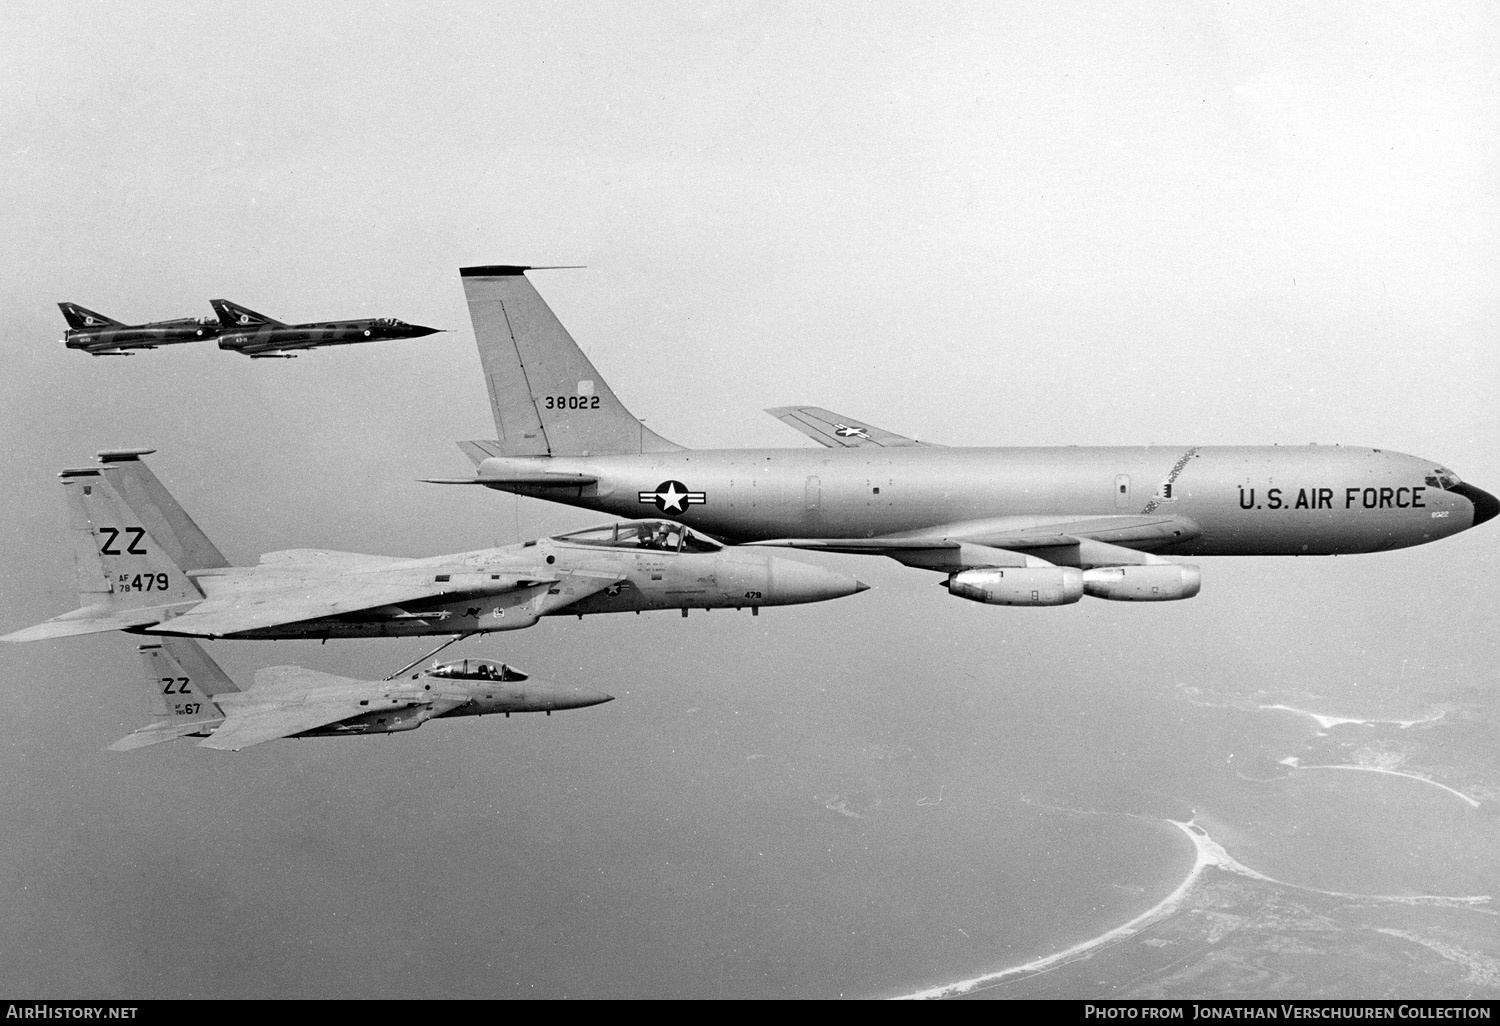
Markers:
point(92, 620)
point(252, 722)
point(289, 700)
point(834, 430)
point(243, 603)
point(155, 734)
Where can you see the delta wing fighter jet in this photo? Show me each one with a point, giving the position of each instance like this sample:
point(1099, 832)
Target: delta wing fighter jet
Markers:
point(1009, 526)
point(260, 337)
point(144, 566)
point(194, 698)
point(99, 335)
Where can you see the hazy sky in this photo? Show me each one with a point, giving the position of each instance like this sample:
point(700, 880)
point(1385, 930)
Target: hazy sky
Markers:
point(1208, 223)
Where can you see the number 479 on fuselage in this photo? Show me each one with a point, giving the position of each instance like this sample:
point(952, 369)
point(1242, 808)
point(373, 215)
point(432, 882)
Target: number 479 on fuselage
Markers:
point(1013, 526)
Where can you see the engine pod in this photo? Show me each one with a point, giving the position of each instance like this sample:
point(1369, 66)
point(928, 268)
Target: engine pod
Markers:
point(1019, 586)
point(1159, 582)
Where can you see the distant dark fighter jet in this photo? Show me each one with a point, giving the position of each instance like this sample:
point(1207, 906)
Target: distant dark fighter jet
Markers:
point(260, 337)
point(99, 335)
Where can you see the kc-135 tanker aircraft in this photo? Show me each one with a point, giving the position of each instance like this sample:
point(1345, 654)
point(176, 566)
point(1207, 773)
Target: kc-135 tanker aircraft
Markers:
point(143, 566)
point(1008, 526)
point(197, 699)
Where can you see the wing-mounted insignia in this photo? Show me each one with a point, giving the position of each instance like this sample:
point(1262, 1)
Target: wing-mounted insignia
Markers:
point(837, 431)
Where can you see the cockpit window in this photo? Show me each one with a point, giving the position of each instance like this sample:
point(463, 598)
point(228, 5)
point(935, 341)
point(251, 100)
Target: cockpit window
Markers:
point(477, 669)
point(658, 535)
point(1445, 479)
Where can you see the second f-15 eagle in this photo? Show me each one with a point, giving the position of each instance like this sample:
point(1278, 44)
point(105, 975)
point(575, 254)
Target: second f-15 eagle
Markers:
point(242, 330)
point(142, 565)
point(194, 698)
point(1006, 525)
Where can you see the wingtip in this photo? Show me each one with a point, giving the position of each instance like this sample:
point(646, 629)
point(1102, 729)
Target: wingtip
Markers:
point(511, 270)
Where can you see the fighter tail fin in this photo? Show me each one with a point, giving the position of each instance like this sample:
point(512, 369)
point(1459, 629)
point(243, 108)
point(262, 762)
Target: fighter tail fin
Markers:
point(547, 398)
point(182, 682)
point(232, 315)
point(79, 317)
point(133, 548)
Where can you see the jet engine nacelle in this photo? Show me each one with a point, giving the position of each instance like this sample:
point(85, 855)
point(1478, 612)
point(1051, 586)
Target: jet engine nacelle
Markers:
point(383, 721)
point(1157, 582)
point(1019, 586)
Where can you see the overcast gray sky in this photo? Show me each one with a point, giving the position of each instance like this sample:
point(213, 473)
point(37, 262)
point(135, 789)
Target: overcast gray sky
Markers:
point(1208, 223)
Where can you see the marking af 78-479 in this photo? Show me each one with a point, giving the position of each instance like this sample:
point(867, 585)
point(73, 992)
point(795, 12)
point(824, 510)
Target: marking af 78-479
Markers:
point(1013, 526)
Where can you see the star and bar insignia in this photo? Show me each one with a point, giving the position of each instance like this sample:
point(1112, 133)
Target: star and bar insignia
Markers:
point(673, 497)
point(845, 431)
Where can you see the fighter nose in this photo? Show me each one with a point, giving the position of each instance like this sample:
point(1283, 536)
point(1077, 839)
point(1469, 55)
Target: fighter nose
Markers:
point(1486, 506)
point(803, 582)
point(578, 698)
point(418, 330)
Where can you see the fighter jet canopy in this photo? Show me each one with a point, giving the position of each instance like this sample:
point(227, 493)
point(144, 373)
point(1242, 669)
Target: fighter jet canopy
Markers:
point(476, 669)
point(662, 535)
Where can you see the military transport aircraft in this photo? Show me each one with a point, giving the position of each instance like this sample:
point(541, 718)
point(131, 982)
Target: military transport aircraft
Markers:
point(197, 699)
point(262, 338)
point(1010, 526)
point(142, 565)
point(99, 335)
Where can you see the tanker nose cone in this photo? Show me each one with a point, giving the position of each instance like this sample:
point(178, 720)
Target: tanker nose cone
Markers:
point(1486, 506)
point(802, 582)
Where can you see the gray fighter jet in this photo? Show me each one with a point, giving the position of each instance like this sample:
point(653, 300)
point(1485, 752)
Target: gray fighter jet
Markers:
point(261, 338)
point(1013, 526)
point(143, 565)
point(99, 335)
point(197, 699)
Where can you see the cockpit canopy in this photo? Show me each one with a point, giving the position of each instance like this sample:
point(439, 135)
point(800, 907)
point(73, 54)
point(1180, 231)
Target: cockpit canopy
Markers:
point(476, 669)
point(660, 535)
point(1443, 478)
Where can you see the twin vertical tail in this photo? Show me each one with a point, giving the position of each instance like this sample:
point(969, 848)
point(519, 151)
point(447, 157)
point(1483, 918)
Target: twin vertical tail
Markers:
point(134, 549)
point(547, 398)
point(182, 681)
